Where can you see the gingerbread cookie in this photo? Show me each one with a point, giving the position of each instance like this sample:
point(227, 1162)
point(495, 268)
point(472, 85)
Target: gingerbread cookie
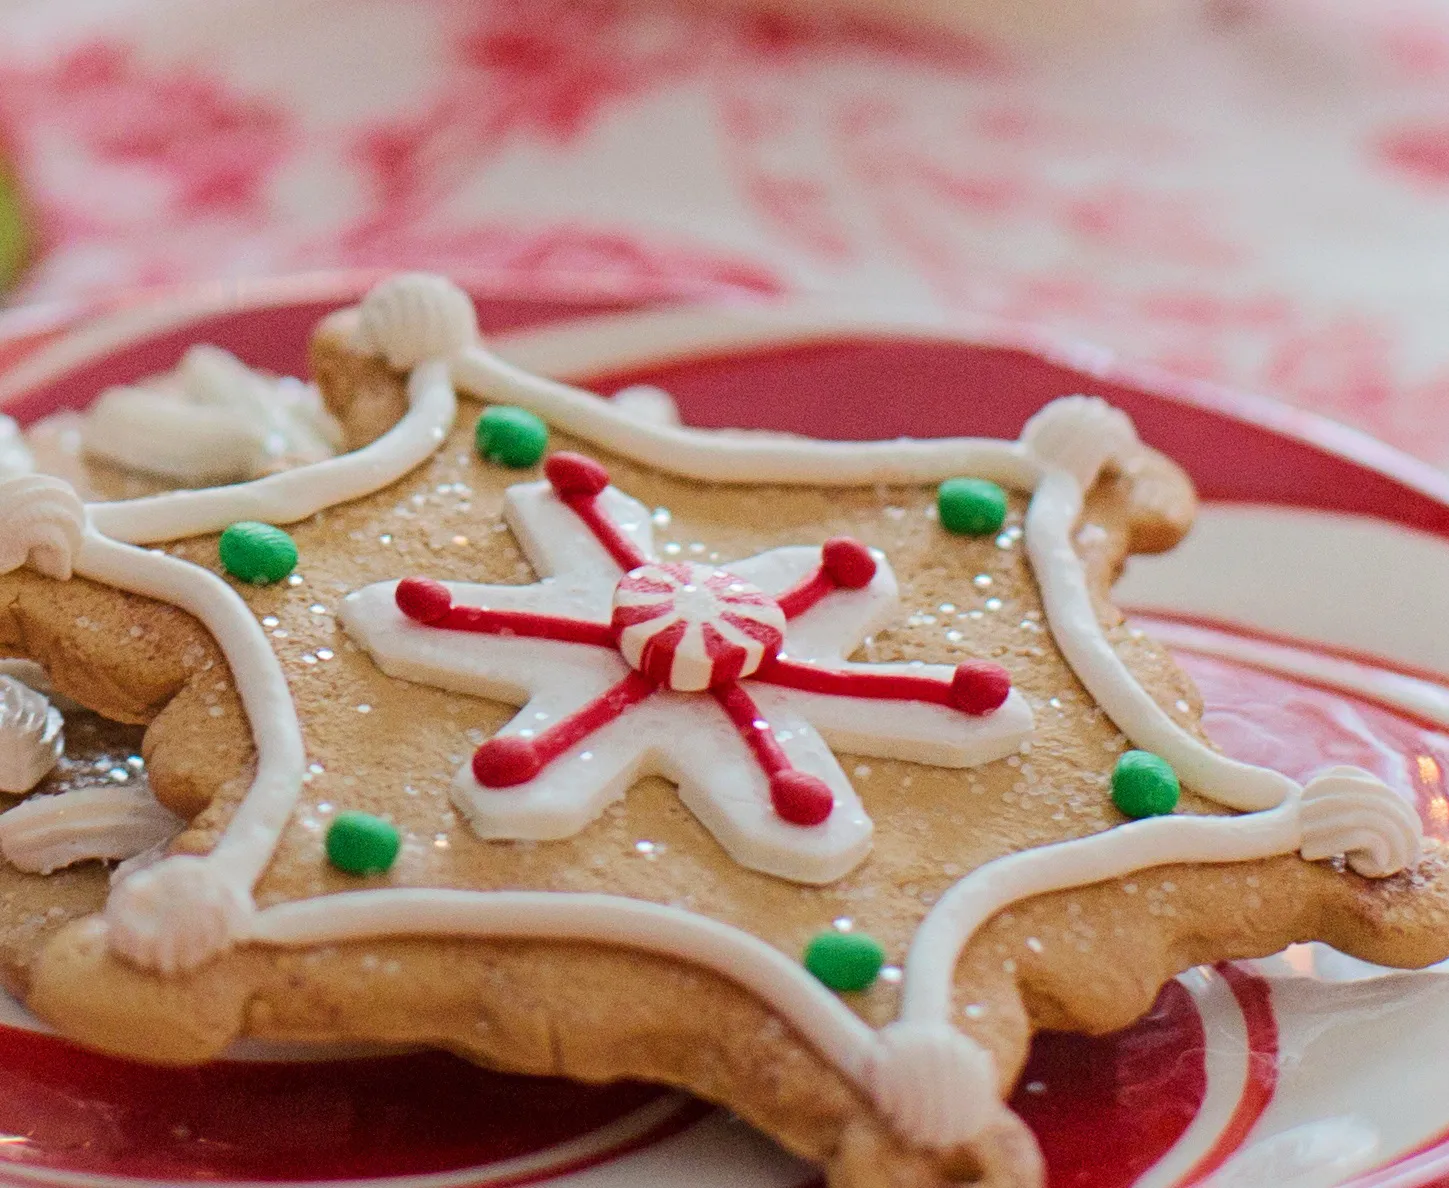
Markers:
point(808, 776)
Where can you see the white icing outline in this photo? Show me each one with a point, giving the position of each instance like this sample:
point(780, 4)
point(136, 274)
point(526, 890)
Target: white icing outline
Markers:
point(251, 835)
point(1067, 601)
point(295, 494)
point(734, 458)
point(937, 1085)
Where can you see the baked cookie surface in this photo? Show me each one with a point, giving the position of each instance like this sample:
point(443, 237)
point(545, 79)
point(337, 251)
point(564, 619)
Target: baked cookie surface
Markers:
point(656, 932)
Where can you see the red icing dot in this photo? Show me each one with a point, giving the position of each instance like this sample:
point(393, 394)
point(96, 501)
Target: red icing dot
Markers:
point(573, 474)
point(423, 599)
point(848, 562)
point(980, 686)
point(506, 761)
point(800, 798)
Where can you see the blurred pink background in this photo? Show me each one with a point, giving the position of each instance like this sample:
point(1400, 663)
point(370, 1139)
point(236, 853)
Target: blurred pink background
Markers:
point(1255, 191)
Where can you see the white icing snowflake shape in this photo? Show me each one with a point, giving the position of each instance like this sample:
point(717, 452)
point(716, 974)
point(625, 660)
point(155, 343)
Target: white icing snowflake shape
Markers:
point(732, 683)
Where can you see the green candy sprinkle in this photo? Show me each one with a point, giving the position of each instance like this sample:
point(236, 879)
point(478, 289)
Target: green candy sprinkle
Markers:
point(257, 553)
point(971, 506)
point(362, 844)
point(512, 436)
point(844, 960)
point(1144, 785)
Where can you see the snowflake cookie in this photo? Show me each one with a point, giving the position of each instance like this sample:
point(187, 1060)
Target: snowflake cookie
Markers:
point(809, 776)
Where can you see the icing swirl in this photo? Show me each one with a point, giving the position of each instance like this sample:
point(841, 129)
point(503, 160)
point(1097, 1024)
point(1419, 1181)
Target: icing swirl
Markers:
point(175, 915)
point(1080, 435)
point(415, 316)
point(42, 523)
point(937, 1085)
point(1348, 813)
point(32, 736)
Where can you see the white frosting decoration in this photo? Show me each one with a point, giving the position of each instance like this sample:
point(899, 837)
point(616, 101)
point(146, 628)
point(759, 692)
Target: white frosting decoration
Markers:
point(1350, 814)
point(1157, 841)
point(416, 316)
point(189, 929)
point(42, 522)
point(647, 404)
point(15, 456)
point(178, 913)
point(1073, 619)
point(1079, 434)
point(106, 822)
point(732, 458)
point(54, 443)
point(936, 1085)
point(294, 494)
point(212, 420)
point(684, 737)
point(32, 736)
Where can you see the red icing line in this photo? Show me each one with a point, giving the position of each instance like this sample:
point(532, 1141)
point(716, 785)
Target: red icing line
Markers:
point(484, 621)
point(745, 715)
point(801, 598)
point(605, 531)
point(875, 686)
point(977, 687)
point(800, 798)
point(508, 760)
point(844, 564)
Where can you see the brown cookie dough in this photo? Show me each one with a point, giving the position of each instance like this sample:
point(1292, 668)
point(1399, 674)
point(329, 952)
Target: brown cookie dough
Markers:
point(1091, 959)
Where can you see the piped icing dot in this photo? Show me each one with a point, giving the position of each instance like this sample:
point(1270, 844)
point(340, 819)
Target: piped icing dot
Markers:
point(574, 476)
point(971, 506)
point(257, 553)
point(800, 798)
point(847, 562)
point(361, 844)
point(978, 686)
point(845, 960)
point(511, 436)
point(1144, 785)
point(423, 600)
point(506, 761)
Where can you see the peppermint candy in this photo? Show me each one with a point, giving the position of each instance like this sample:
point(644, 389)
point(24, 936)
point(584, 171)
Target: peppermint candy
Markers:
point(691, 627)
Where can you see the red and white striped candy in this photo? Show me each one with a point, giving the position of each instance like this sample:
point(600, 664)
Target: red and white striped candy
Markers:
point(692, 627)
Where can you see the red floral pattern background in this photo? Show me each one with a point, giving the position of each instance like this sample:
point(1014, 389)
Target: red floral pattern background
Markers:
point(1253, 191)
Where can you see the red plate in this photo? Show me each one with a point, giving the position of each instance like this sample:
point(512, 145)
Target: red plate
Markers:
point(1308, 1069)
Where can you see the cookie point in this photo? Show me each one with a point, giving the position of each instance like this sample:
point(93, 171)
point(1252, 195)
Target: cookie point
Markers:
point(423, 600)
point(505, 762)
point(847, 562)
point(574, 475)
point(978, 686)
point(801, 798)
